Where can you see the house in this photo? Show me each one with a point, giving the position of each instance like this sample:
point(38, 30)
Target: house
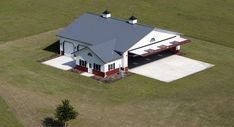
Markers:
point(102, 45)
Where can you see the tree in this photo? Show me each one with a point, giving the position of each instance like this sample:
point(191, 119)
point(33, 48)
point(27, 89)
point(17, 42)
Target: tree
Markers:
point(65, 112)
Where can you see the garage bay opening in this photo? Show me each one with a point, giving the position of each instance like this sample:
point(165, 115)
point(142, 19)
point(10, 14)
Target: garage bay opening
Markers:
point(138, 60)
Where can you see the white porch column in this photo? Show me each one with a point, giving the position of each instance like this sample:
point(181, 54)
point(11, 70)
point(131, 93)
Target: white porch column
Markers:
point(125, 60)
point(178, 47)
point(61, 46)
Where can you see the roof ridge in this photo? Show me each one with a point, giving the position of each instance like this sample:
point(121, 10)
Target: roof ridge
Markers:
point(140, 24)
point(167, 31)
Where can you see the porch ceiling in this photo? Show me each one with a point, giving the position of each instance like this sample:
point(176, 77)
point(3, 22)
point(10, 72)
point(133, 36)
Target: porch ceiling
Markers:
point(158, 47)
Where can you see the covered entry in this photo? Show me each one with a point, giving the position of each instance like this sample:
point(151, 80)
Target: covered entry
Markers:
point(137, 60)
point(155, 51)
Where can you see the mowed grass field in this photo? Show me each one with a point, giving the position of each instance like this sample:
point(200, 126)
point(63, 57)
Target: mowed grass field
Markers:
point(7, 118)
point(211, 20)
point(32, 90)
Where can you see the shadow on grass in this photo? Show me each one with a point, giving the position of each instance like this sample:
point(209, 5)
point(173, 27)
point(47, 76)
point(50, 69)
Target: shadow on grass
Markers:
point(54, 47)
point(51, 122)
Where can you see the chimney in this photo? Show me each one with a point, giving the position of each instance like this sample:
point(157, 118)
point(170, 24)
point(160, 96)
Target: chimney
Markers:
point(106, 14)
point(132, 20)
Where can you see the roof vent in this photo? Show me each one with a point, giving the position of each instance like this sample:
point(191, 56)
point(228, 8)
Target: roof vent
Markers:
point(106, 14)
point(132, 20)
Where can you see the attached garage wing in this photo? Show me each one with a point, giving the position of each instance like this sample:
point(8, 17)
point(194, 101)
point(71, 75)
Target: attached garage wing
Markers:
point(68, 48)
point(159, 46)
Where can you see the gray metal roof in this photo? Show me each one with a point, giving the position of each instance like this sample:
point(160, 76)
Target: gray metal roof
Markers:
point(107, 37)
point(97, 31)
point(105, 51)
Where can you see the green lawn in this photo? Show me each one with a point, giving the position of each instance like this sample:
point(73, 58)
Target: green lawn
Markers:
point(32, 90)
point(7, 118)
point(210, 20)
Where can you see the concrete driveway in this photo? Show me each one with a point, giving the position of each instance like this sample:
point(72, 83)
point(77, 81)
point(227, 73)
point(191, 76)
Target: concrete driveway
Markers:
point(171, 68)
point(62, 62)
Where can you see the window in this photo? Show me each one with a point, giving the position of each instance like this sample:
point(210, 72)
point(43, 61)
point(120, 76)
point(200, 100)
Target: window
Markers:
point(152, 40)
point(90, 65)
point(90, 54)
point(111, 66)
point(78, 48)
point(83, 63)
point(96, 67)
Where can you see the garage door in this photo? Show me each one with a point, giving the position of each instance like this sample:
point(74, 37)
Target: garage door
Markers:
point(68, 48)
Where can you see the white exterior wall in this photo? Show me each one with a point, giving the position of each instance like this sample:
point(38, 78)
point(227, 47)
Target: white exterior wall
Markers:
point(83, 55)
point(118, 64)
point(159, 36)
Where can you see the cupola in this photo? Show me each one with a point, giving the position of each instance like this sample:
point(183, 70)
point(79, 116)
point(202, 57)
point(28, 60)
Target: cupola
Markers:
point(132, 20)
point(106, 14)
